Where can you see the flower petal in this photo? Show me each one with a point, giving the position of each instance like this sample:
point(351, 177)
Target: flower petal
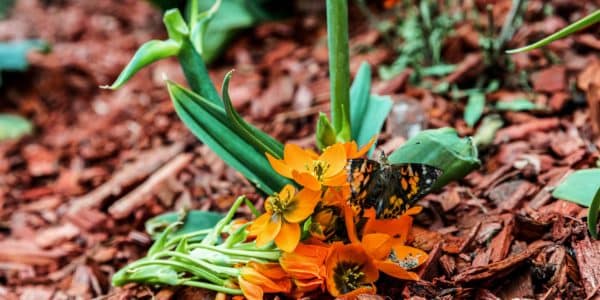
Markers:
point(306, 180)
point(288, 237)
point(259, 224)
point(377, 245)
point(335, 156)
point(303, 205)
point(279, 166)
point(296, 158)
point(342, 255)
point(365, 148)
point(394, 270)
point(251, 291)
point(409, 257)
point(341, 179)
point(270, 231)
point(399, 227)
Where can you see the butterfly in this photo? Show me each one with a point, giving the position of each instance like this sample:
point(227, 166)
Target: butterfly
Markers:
point(389, 188)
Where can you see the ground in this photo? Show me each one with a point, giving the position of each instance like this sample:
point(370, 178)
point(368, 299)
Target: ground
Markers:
point(74, 195)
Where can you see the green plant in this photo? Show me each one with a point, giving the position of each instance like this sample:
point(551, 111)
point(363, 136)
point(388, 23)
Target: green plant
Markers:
point(585, 22)
point(422, 30)
point(583, 187)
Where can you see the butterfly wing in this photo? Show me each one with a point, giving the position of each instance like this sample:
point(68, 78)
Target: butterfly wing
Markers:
point(406, 184)
point(361, 177)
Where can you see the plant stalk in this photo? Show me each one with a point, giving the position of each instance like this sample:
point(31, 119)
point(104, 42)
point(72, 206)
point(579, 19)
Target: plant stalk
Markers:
point(339, 66)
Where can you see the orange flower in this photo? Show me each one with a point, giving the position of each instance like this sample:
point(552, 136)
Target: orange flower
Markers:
point(312, 171)
point(284, 211)
point(352, 148)
point(350, 271)
point(256, 279)
point(306, 267)
point(392, 257)
point(383, 240)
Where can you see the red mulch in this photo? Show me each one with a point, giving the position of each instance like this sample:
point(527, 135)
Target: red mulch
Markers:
point(75, 195)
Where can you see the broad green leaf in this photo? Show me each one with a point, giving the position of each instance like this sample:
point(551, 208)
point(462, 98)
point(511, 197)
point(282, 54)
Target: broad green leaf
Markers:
point(339, 67)
point(149, 274)
point(232, 16)
point(593, 212)
point(13, 55)
point(579, 187)
point(474, 108)
point(375, 114)
point(441, 148)
point(263, 142)
point(517, 105)
point(210, 124)
point(589, 20)
point(14, 127)
point(359, 97)
point(196, 74)
point(367, 112)
point(194, 220)
point(325, 133)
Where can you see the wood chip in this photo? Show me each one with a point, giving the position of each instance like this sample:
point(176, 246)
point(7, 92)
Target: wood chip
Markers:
point(125, 206)
point(587, 253)
point(146, 163)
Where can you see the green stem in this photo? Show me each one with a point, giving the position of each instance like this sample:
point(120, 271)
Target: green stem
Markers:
point(212, 238)
point(339, 66)
point(220, 270)
point(192, 269)
point(252, 208)
point(264, 254)
point(212, 287)
point(193, 13)
point(174, 241)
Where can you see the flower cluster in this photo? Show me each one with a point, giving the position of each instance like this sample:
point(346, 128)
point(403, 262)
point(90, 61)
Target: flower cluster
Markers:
point(323, 248)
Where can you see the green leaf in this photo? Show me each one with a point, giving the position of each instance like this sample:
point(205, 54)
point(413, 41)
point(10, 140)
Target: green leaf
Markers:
point(196, 74)
point(5, 7)
point(367, 112)
point(325, 133)
point(520, 104)
point(263, 142)
point(14, 127)
point(13, 55)
point(487, 130)
point(200, 25)
point(579, 187)
point(570, 29)
point(231, 17)
point(194, 220)
point(441, 148)
point(474, 108)
point(209, 123)
point(375, 114)
point(359, 97)
point(339, 67)
point(156, 50)
point(593, 212)
point(148, 53)
point(149, 274)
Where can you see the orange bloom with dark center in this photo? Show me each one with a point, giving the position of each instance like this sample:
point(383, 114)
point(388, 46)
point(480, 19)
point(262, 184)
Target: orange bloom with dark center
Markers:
point(306, 267)
point(257, 279)
point(311, 170)
point(383, 241)
point(283, 213)
point(350, 271)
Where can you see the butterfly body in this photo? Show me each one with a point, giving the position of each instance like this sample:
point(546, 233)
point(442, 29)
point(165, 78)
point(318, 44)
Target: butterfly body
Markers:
point(390, 189)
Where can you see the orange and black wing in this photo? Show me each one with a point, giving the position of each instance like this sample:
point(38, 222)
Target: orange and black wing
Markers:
point(407, 184)
point(361, 177)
